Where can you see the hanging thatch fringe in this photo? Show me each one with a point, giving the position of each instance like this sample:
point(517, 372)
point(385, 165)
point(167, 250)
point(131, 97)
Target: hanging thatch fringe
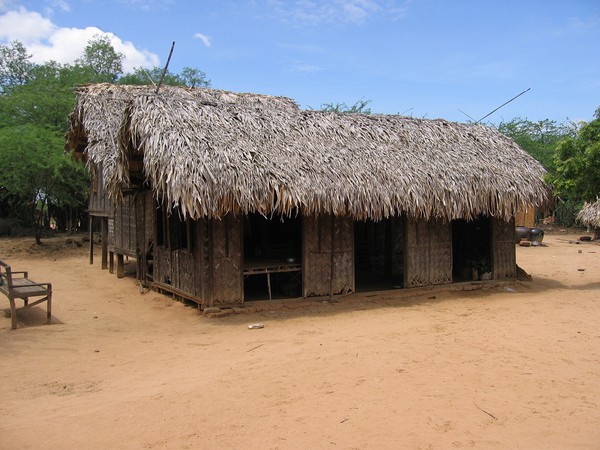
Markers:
point(214, 152)
point(590, 214)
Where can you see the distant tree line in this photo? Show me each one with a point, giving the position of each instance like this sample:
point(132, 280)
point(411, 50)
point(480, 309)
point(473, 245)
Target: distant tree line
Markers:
point(41, 187)
point(570, 152)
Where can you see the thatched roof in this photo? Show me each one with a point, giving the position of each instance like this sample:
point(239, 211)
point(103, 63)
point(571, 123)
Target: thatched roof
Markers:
point(590, 214)
point(214, 152)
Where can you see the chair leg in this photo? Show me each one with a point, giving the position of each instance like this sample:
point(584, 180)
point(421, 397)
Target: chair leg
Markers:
point(49, 313)
point(13, 313)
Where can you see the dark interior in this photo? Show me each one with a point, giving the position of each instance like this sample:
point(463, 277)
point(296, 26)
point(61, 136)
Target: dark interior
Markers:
point(272, 241)
point(471, 249)
point(379, 254)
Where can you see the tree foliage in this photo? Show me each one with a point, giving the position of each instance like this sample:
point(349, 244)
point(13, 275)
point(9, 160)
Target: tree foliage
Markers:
point(15, 66)
point(539, 139)
point(360, 107)
point(577, 164)
point(571, 155)
point(32, 169)
point(102, 59)
point(189, 77)
point(37, 179)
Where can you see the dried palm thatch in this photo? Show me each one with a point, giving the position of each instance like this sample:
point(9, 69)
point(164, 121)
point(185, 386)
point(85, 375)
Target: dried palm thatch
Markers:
point(590, 214)
point(213, 152)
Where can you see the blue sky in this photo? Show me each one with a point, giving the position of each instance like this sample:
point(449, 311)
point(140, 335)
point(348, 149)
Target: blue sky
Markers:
point(425, 58)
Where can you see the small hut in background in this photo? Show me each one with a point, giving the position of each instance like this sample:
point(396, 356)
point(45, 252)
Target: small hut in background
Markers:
point(589, 215)
point(525, 218)
point(224, 197)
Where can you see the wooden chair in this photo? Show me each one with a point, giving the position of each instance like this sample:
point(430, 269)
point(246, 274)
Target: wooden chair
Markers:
point(20, 286)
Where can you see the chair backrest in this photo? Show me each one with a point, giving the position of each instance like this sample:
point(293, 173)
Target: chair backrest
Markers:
point(5, 274)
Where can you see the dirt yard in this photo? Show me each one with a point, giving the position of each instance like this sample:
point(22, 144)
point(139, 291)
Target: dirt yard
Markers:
point(512, 366)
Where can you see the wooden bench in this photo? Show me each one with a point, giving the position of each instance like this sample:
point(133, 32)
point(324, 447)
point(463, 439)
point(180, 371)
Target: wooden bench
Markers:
point(17, 285)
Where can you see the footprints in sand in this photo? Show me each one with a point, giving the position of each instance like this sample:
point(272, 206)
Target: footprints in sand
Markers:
point(62, 388)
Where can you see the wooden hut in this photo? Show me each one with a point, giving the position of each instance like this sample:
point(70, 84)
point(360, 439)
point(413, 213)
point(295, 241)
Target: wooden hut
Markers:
point(589, 215)
point(224, 197)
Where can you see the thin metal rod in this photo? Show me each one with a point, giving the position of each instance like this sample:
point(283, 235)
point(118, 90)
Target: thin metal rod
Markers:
point(165, 69)
point(466, 115)
point(505, 103)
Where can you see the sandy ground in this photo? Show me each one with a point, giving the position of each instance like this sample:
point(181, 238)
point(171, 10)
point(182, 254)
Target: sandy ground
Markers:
point(507, 367)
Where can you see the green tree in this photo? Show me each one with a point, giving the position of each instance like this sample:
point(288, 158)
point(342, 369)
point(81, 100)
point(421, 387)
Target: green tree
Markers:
point(32, 163)
point(101, 57)
point(539, 139)
point(15, 66)
point(34, 171)
point(360, 107)
point(189, 77)
point(36, 177)
point(46, 99)
point(577, 164)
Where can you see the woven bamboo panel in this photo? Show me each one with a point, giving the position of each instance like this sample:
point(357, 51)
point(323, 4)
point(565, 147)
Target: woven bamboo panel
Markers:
point(525, 217)
point(203, 269)
point(99, 203)
point(504, 258)
point(162, 265)
point(111, 232)
point(321, 234)
point(227, 268)
point(428, 253)
point(125, 225)
point(186, 281)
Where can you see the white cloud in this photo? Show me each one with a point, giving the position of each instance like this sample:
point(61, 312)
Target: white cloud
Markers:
point(148, 5)
point(45, 41)
point(204, 38)
point(306, 68)
point(24, 26)
point(295, 66)
point(316, 12)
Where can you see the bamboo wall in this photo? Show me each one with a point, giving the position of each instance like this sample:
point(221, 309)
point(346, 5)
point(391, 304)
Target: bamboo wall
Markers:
point(428, 257)
point(504, 263)
point(525, 218)
point(125, 227)
point(226, 260)
point(99, 204)
point(328, 255)
point(210, 271)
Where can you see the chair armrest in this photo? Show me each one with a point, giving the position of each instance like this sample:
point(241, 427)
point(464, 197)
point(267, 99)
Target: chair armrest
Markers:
point(23, 273)
point(49, 285)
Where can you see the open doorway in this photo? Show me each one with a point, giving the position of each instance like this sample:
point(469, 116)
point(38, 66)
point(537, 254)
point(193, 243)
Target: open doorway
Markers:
point(379, 254)
point(471, 249)
point(272, 257)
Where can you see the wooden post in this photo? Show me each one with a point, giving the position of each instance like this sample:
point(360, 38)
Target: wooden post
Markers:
point(111, 262)
point(91, 239)
point(120, 266)
point(104, 236)
point(332, 261)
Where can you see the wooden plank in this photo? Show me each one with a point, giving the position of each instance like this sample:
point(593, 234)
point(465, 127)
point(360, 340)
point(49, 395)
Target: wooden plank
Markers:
point(104, 237)
point(120, 266)
point(226, 261)
point(504, 263)
point(327, 255)
point(428, 258)
point(91, 223)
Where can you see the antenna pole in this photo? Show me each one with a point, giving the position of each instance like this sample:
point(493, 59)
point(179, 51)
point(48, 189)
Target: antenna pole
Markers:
point(165, 69)
point(467, 115)
point(505, 103)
